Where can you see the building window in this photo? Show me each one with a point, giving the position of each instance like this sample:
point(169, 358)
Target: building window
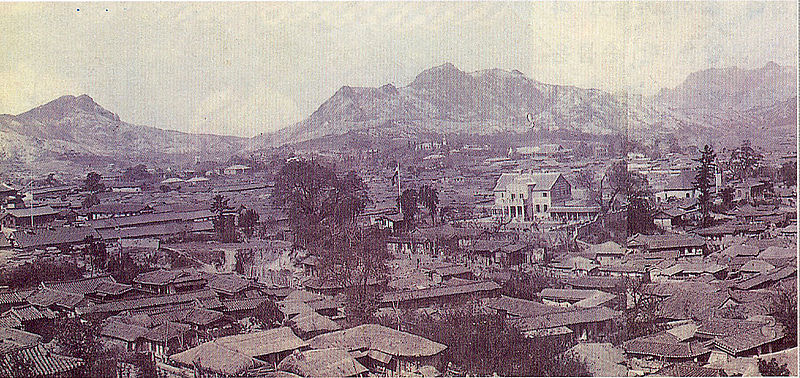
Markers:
point(512, 196)
point(544, 208)
point(687, 195)
point(538, 209)
point(544, 194)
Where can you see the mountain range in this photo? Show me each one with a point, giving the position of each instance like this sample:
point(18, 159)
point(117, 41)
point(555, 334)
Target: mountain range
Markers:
point(75, 132)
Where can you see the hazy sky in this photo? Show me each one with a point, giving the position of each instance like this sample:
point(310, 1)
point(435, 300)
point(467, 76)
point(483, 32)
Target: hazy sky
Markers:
point(242, 69)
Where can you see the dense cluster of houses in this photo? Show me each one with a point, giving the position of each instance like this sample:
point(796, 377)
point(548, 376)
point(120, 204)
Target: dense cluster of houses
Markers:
point(716, 290)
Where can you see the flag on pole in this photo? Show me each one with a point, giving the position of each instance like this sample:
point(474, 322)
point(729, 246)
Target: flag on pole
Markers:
point(396, 175)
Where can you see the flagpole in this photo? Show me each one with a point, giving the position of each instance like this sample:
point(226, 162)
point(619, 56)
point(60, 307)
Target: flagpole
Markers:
point(399, 203)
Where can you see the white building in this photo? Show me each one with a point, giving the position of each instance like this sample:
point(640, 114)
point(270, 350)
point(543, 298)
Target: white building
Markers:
point(528, 196)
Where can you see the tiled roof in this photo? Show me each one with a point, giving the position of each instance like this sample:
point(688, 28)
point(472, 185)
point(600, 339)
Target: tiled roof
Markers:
point(439, 291)
point(28, 212)
point(45, 297)
point(40, 361)
point(558, 319)
point(147, 302)
point(80, 286)
point(242, 304)
point(228, 283)
point(122, 331)
point(749, 339)
point(664, 345)
point(45, 237)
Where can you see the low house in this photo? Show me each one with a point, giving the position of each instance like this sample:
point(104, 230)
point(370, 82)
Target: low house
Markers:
point(577, 297)
point(329, 362)
point(62, 238)
point(585, 323)
point(664, 347)
point(235, 169)
point(169, 281)
point(448, 292)
point(109, 210)
point(310, 324)
point(22, 217)
point(129, 336)
point(607, 252)
point(236, 354)
point(384, 350)
point(682, 245)
point(677, 187)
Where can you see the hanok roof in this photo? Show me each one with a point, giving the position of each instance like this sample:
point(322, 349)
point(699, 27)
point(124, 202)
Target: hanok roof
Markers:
point(229, 284)
point(45, 297)
point(380, 338)
point(740, 250)
point(18, 338)
point(28, 212)
point(664, 345)
point(756, 266)
point(329, 362)
point(167, 331)
point(147, 302)
point(40, 361)
point(566, 294)
point(309, 322)
point(565, 318)
point(80, 286)
point(656, 242)
point(775, 252)
point(45, 237)
point(716, 327)
point(29, 313)
point(136, 220)
point(440, 291)
point(214, 357)
point(749, 339)
point(263, 343)
point(689, 369)
point(607, 248)
point(247, 304)
point(520, 307)
point(594, 282)
point(155, 230)
point(123, 331)
point(163, 277)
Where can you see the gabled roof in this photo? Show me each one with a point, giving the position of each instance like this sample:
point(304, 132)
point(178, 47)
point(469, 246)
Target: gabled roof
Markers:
point(380, 338)
point(45, 297)
point(330, 362)
point(45, 237)
point(540, 181)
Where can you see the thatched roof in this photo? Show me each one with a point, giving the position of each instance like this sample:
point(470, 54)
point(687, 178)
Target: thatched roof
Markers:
point(217, 358)
point(331, 362)
point(378, 337)
point(262, 343)
point(313, 322)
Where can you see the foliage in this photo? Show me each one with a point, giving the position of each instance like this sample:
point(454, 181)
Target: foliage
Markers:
point(267, 314)
point(640, 207)
point(33, 273)
point(744, 161)
point(772, 368)
point(78, 338)
point(527, 286)
point(356, 258)
point(223, 223)
point(640, 315)
point(483, 345)
point(785, 312)
point(137, 173)
point(704, 181)
point(429, 199)
point(727, 195)
point(93, 182)
point(90, 201)
point(788, 173)
point(244, 259)
point(123, 268)
point(409, 206)
point(248, 219)
point(317, 201)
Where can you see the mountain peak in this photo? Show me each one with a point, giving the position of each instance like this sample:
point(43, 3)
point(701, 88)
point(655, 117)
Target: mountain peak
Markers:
point(65, 106)
point(446, 72)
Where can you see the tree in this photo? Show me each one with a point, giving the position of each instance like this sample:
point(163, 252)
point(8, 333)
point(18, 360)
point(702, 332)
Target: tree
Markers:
point(785, 312)
point(223, 222)
point(317, 201)
point(772, 368)
point(356, 258)
point(248, 219)
point(640, 314)
point(90, 201)
point(93, 182)
point(429, 199)
point(727, 195)
point(788, 173)
point(244, 259)
point(137, 173)
point(744, 161)
point(409, 207)
point(586, 179)
point(483, 344)
point(267, 314)
point(78, 338)
point(703, 182)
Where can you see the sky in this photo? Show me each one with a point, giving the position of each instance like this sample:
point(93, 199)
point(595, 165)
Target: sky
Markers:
point(247, 68)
